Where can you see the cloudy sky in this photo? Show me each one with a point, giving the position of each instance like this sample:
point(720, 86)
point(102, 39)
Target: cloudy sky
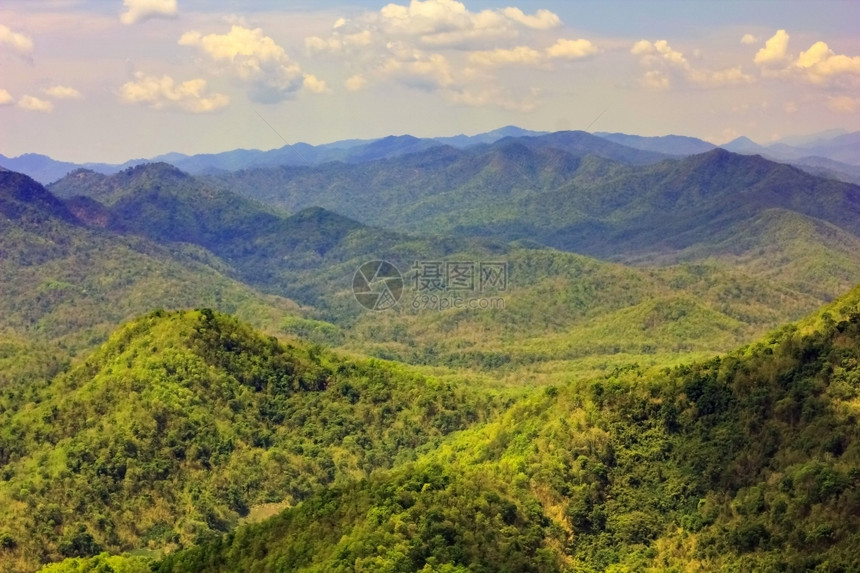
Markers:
point(110, 80)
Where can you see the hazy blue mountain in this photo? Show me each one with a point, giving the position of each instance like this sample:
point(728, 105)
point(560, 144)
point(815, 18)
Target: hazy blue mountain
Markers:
point(824, 167)
point(744, 144)
point(581, 143)
point(46, 170)
point(668, 144)
point(844, 148)
point(488, 137)
point(811, 139)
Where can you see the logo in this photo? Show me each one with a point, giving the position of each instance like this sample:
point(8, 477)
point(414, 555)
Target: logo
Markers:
point(377, 285)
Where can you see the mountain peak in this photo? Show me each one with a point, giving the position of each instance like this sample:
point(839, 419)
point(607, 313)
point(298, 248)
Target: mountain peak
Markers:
point(22, 197)
point(156, 169)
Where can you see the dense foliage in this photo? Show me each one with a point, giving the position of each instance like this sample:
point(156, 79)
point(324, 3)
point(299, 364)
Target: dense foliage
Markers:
point(183, 421)
point(194, 442)
point(747, 462)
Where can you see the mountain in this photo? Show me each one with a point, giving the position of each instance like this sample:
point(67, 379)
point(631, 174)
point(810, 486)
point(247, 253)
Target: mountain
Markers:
point(46, 170)
point(563, 307)
point(812, 139)
point(833, 146)
point(746, 461)
point(463, 141)
point(22, 198)
point(39, 167)
point(66, 286)
point(182, 422)
point(744, 144)
point(843, 148)
point(262, 246)
point(579, 143)
point(666, 144)
point(528, 189)
point(823, 167)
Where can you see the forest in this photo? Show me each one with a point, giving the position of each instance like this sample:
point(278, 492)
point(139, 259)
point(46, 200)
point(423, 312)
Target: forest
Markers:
point(188, 382)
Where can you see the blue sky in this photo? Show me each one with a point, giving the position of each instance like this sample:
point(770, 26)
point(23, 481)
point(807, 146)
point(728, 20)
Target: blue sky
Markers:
point(111, 80)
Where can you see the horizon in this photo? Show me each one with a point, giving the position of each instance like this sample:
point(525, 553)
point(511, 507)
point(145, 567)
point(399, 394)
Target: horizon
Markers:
point(194, 78)
point(160, 157)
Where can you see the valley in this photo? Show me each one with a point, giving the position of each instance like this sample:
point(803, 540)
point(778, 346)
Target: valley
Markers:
point(668, 380)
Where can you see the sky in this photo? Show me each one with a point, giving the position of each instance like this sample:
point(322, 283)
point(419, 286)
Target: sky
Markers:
point(113, 80)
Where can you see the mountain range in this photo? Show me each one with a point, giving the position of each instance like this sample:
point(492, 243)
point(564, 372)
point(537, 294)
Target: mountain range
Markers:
point(835, 147)
point(665, 378)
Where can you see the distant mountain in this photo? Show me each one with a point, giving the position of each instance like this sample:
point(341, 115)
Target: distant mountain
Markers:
point(311, 257)
point(844, 148)
point(828, 145)
point(64, 282)
point(666, 144)
point(526, 188)
point(22, 198)
point(40, 167)
point(462, 141)
point(812, 139)
point(581, 143)
point(744, 144)
point(46, 170)
point(824, 167)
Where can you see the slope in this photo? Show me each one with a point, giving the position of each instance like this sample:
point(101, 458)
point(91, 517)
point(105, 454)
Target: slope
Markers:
point(183, 421)
point(65, 287)
point(559, 307)
point(743, 462)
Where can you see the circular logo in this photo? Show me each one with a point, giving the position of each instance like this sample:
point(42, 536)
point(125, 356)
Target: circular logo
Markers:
point(377, 285)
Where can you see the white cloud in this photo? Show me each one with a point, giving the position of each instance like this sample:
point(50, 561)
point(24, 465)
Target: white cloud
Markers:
point(774, 51)
point(659, 50)
point(525, 55)
point(63, 92)
point(142, 10)
point(315, 85)
point(438, 24)
point(339, 42)
point(789, 107)
point(500, 57)
point(655, 80)
point(717, 78)
point(355, 83)
point(844, 104)
point(31, 103)
point(664, 60)
point(425, 72)
point(540, 20)
point(6, 98)
point(18, 42)
point(571, 49)
point(748, 39)
point(819, 63)
point(164, 93)
point(490, 97)
point(256, 59)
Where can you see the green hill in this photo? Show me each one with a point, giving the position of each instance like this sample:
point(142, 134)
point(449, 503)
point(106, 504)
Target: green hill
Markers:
point(745, 462)
point(183, 422)
point(560, 308)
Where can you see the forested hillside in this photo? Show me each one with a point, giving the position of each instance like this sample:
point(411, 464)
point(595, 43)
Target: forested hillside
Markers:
point(744, 462)
point(182, 422)
point(646, 409)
